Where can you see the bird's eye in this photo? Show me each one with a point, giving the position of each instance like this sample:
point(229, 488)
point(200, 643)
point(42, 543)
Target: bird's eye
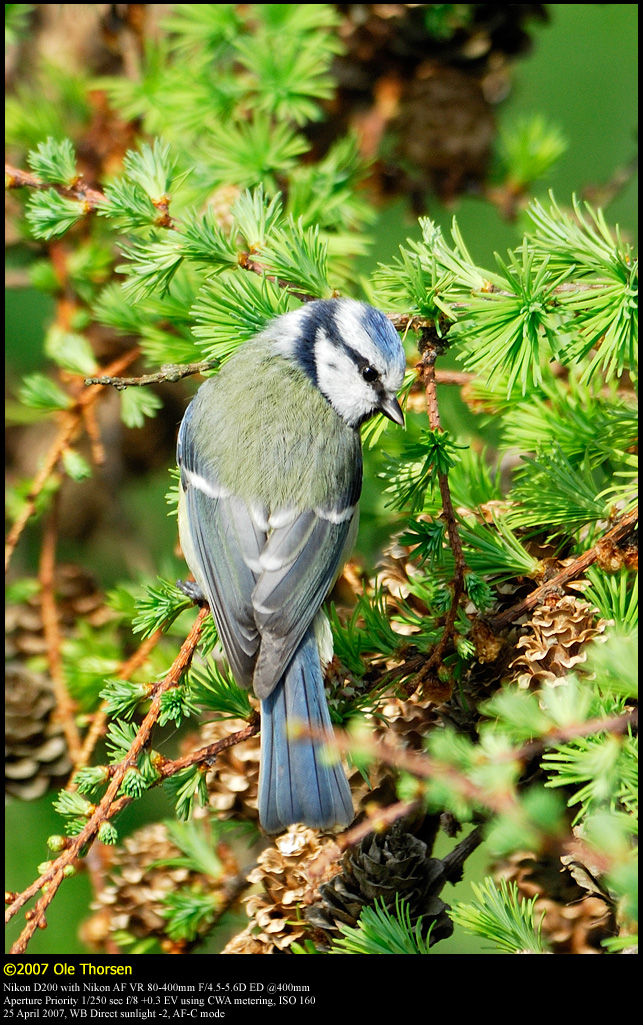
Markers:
point(370, 374)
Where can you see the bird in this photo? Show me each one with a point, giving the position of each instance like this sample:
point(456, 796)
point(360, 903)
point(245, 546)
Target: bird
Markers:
point(270, 461)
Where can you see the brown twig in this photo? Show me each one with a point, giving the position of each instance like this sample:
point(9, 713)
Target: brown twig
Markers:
point(171, 372)
point(248, 261)
point(453, 862)
point(16, 178)
point(65, 707)
point(457, 377)
point(91, 199)
point(110, 804)
point(93, 433)
point(575, 569)
point(430, 350)
point(604, 193)
point(611, 724)
point(425, 766)
point(71, 421)
point(99, 721)
point(206, 755)
point(65, 435)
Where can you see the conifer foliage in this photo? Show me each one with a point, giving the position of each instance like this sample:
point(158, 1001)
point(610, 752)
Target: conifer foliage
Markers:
point(484, 679)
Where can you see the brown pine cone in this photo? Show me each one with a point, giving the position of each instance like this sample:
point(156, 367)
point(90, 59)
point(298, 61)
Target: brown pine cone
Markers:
point(555, 641)
point(143, 872)
point(282, 871)
point(36, 755)
point(385, 866)
point(575, 922)
point(77, 597)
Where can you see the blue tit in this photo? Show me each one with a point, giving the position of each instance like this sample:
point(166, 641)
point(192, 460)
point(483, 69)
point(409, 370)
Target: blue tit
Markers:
point(271, 473)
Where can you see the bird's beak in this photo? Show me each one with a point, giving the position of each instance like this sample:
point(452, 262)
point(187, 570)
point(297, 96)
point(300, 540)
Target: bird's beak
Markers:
point(391, 408)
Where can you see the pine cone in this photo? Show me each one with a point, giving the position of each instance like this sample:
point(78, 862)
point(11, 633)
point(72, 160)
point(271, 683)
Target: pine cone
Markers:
point(234, 780)
point(378, 790)
point(395, 572)
point(282, 870)
point(574, 922)
point(36, 755)
point(131, 900)
point(385, 866)
point(77, 596)
point(553, 646)
point(36, 751)
point(248, 942)
point(410, 721)
point(425, 80)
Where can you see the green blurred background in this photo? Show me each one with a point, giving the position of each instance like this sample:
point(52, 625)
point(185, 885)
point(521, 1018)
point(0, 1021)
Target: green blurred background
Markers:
point(582, 75)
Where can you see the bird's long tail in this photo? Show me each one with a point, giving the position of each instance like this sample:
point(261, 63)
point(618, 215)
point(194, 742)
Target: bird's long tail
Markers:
point(300, 780)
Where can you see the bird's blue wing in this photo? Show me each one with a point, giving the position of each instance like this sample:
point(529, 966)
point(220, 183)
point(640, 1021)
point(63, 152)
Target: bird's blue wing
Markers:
point(300, 563)
point(221, 542)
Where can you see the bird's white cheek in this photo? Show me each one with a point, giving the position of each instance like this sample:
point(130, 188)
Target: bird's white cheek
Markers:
point(351, 397)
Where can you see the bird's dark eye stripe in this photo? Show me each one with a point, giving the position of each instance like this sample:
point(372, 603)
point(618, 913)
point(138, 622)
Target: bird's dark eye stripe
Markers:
point(327, 320)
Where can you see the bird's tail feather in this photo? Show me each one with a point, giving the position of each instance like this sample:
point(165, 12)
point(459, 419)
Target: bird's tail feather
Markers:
point(299, 780)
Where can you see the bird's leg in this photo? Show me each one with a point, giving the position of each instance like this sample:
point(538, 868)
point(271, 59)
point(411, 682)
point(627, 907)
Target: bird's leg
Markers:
point(192, 591)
